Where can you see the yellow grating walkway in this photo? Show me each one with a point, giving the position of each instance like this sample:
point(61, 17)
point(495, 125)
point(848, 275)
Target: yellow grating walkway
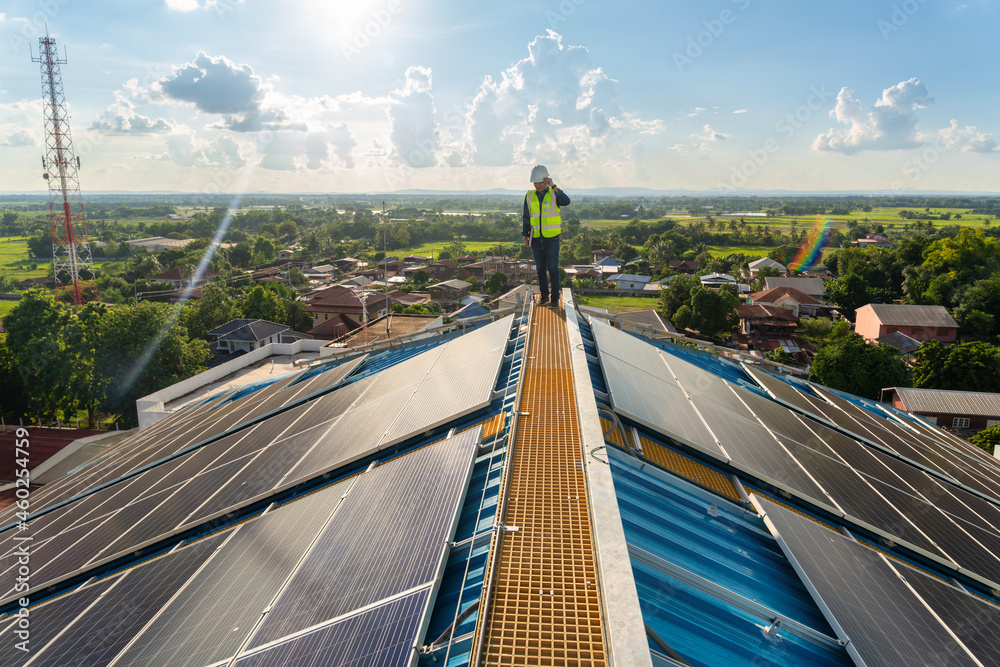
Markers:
point(545, 608)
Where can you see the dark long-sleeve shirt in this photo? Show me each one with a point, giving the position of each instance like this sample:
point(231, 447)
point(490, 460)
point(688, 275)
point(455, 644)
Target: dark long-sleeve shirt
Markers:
point(562, 199)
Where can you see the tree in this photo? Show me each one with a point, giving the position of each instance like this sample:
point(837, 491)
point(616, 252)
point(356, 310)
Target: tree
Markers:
point(987, 439)
point(263, 304)
point(713, 312)
point(849, 292)
point(420, 277)
point(496, 283)
point(972, 366)
point(850, 364)
point(36, 339)
point(215, 307)
point(142, 349)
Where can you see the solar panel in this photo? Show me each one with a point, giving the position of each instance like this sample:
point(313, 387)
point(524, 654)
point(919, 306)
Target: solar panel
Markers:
point(216, 612)
point(384, 636)
point(656, 403)
point(624, 347)
point(695, 380)
point(753, 447)
point(862, 596)
point(97, 636)
point(789, 394)
point(386, 538)
point(45, 622)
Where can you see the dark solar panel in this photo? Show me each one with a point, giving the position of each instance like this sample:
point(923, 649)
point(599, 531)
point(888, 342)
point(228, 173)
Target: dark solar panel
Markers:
point(210, 620)
point(862, 597)
point(383, 636)
point(386, 538)
point(752, 446)
point(789, 394)
point(45, 622)
point(975, 621)
point(100, 634)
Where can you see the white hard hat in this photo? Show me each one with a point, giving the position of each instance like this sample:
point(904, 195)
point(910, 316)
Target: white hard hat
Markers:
point(539, 174)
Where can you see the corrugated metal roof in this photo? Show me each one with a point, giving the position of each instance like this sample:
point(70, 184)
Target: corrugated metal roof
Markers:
point(906, 315)
point(983, 404)
point(811, 286)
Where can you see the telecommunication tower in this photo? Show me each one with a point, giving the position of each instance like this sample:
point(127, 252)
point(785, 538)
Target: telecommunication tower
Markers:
point(72, 264)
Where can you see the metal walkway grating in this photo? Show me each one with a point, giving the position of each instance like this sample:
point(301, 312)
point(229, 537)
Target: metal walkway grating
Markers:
point(546, 609)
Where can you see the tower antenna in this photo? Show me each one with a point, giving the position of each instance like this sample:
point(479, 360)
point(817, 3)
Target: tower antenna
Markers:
point(72, 263)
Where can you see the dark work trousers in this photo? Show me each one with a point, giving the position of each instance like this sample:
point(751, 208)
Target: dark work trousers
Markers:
point(546, 254)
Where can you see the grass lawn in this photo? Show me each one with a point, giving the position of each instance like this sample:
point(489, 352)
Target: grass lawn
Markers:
point(618, 304)
point(605, 223)
point(5, 307)
point(749, 250)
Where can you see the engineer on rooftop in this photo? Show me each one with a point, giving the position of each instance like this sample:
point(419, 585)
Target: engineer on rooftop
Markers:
point(540, 227)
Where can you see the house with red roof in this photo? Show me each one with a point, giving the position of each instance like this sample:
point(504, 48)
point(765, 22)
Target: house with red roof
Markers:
point(345, 307)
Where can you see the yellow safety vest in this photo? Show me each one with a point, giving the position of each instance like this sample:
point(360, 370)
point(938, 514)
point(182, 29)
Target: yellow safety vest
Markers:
point(545, 219)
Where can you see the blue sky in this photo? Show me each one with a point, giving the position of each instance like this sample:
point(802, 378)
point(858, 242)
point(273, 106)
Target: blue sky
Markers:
point(377, 95)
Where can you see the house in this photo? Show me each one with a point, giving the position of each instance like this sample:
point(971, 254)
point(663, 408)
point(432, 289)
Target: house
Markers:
point(873, 240)
point(814, 287)
point(285, 253)
point(608, 266)
point(717, 280)
point(417, 259)
point(756, 265)
point(449, 292)
point(36, 282)
point(903, 343)
point(602, 253)
point(588, 272)
point(629, 281)
point(921, 323)
point(159, 243)
point(245, 335)
point(800, 303)
point(410, 270)
point(442, 268)
point(766, 320)
point(972, 410)
point(180, 276)
point(686, 266)
point(343, 302)
point(466, 259)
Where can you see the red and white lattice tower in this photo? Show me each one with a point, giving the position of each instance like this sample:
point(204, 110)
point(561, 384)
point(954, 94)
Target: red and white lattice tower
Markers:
point(72, 264)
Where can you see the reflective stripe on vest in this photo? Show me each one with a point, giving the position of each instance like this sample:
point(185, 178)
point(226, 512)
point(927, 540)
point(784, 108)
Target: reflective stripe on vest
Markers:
point(545, 218)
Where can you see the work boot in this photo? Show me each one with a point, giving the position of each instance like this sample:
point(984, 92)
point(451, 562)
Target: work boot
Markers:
point(554, 301)
point(542, 301)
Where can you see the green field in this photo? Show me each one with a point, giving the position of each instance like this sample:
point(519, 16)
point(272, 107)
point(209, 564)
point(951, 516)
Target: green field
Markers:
point(5, 307)
point(617, 304)
point(436, 247)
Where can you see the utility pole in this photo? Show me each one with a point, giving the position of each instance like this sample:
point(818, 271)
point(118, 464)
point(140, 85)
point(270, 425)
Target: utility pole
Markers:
point(385, 271)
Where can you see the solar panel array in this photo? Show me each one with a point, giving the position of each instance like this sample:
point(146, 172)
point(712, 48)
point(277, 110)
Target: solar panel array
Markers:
point(934, 495)
point(888, 613)
point(264, 588)
point(228, 455)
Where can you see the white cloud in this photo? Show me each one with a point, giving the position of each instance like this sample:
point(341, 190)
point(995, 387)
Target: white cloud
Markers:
point(740, 111)
point(711, 135)
point(891, 123)
point(194, 5)
point(968, 139)
point(217, 85)
point(289, 150)
point(19, 138)
point(183, 5)
point(411, 119)
point(122, 118)
point(694, 112)
point(554, 106)
point(186, 150)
